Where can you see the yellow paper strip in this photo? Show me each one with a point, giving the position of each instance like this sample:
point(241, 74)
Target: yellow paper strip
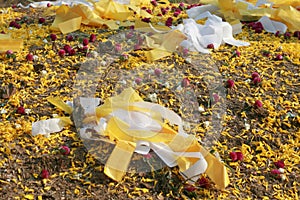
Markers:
point(11, 44)
point(56, 101)
point(117, 164)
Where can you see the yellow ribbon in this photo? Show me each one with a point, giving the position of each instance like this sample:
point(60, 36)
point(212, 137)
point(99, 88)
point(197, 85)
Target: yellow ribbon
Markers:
point(126, 139)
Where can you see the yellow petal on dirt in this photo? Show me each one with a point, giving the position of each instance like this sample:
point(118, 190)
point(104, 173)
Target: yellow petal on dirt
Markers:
point(29, 196)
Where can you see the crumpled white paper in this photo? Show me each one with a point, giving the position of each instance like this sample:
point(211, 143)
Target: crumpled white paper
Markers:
point(272, 26)
point(214, 31)
point(45, 127)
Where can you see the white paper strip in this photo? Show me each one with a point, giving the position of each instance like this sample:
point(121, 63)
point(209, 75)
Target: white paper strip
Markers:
point(272, 26)
point(45, 127)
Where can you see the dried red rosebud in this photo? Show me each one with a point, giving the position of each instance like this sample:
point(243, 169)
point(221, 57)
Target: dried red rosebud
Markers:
point(296, 34)
point(258, 104)
point(45, 174)
point(147, 20)
point(42, 20)
point(18, 26)
point(216, 97)
point(72, 52)
point(157, 72)
point(256, 80)
point(154, 3)
point(65, 150)
point(138, 81)
point(279, 164)
point(279, 57)
point(203, 182)
point(148, 156)
point(118, 47)
point(255, 74)
point(137, 47)
point(230, 83)
point(169, 21)
point(62, 53)
point(85, 41)
point(240, 156)
point(93, 38)
point(49, 5)
point(233, 156)
point(257, 25)
point(164, 11)
point(29, 57)
point(67, 48)
point(287, 35)
point(185, 82)
point(149, 11)
point(275, 172)
point(277, 34)
point(21, 110)
point(189, 188)
point(210, 46)
point(69, 38)
point(237, 53)
point(258, 30)
point(9, 52)
point(53, 37)
point(181, 4)
point(13, 24)
point(176, 14)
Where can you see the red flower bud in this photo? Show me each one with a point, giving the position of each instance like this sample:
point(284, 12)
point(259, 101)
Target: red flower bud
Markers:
point(53, 37)
point(210, 46)
point(254, 74)
point(45, 174)
point(29, 57)
point(72, 52)
point(69, 38)
point(62, 53)
point(275, 172)
point(189, 188)
point(230, 83)
point(138, 81)
point(42, 20)
point(237, 53)
point(279, 57)
point(67, 48)
point(256, 80)
point(85, 41)
point(118, 47)
point(258, 104)
point(21, 110)
point(233, 156)
point(239, 155)
point(279, 164)
point(157, 72)
point(93, 38)
point(65, 150)
point(185, 82)
point(203, 182)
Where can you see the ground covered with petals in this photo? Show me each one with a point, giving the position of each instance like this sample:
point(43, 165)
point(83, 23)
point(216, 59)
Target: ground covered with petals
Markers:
point(258, 140)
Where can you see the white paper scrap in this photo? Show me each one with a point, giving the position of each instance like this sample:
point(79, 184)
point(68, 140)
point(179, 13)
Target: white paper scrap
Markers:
point(272, 26)
point(45, 127)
